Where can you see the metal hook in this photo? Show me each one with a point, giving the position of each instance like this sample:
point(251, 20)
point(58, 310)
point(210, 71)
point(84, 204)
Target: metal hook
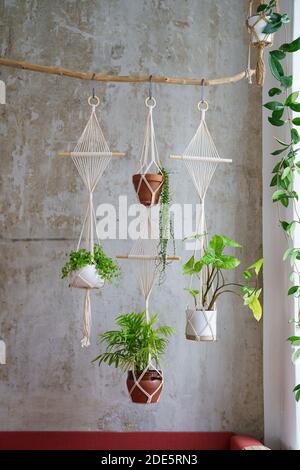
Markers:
point(150, 87)
point(202, 90)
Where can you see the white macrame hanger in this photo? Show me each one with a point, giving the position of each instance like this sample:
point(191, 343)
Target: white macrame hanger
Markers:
point(91, 157)
point(201, 159)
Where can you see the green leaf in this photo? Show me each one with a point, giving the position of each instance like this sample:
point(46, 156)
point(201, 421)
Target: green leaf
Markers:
point(279, 151)
point(247, 275)
point(281, 142)
point(296, 388)
point(287, 82)
point(291, 46)
point(277, 195)
point(188, 267)
point(295, 136)
point(227, 262)
point(295, 107)
point(292, 290)
point(275, 67)
point(291, 98)
point(295, 340)
point(296, 121)
point(261, 7)
point(296, 355)
point(274, 181)
point(274, 91)
point(276, 122)
point(257, 265)
point(274, 105)
point(193, 292)
point(278, 54)
point(297, 396)
point(255, 306)
point(272, 27)
point(285, 172)
point(287, 253)
point(277, 114)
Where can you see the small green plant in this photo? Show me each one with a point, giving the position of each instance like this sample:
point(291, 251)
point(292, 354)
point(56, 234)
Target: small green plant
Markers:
point(212, 267)
point(130, 347)
point(166, 232)
point(105, 266)
point(275, 19)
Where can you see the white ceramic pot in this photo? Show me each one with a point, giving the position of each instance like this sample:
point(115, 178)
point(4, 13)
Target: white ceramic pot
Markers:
point(201, 325)
point(259, 25)
point(86, 278)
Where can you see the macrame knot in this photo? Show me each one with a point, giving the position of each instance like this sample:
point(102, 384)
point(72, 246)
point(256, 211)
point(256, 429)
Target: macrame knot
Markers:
point(260, 66)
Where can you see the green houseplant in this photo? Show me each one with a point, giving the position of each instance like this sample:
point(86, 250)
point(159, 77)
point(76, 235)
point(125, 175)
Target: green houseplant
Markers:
point(86, 269)
point(210, 270)
point(137, 347)
point(166, 232)
point(284, 107)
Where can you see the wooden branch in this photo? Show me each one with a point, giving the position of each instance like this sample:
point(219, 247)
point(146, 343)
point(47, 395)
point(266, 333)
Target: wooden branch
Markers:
point(203, 159)
point(90, 154)
point(148, 257)
point(98, 77)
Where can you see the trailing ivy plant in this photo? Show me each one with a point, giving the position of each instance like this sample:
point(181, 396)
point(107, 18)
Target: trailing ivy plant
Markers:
point(166, 229)
point(288, 164)
point(275, 19)
point(213, 266)
point(105, 266)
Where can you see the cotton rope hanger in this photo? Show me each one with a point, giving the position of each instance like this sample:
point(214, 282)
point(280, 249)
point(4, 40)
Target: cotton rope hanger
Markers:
point(201, 159)
point(91, 157)
point(144, 252)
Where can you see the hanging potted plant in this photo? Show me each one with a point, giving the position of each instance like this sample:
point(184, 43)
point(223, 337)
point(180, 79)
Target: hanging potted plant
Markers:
point(88, 270)
point(265, 23)
point(148, 187)
point(210, 270)
point(136, 348)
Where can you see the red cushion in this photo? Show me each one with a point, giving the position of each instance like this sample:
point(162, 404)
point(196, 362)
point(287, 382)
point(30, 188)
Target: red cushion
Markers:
point(240, 442)
point(115, 440)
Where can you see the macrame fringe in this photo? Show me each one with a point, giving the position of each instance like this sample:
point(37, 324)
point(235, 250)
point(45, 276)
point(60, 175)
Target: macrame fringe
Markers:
point(85, 342)
point(260, 66)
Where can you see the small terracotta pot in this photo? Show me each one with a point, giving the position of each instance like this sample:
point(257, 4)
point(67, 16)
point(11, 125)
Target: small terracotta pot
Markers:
point(150, 382)
point(146, 195)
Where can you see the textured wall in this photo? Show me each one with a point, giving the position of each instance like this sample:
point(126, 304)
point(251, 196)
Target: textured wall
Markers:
point(49, 382)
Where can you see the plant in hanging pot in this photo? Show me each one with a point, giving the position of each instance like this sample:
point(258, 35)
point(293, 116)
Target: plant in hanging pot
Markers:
point(148, 187)
point(137, 347)
point(210, 270)
point(265, 23)
point(88, 270)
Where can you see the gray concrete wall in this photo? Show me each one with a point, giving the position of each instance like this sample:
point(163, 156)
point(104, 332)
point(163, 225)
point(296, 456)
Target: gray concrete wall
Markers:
point(49, 382)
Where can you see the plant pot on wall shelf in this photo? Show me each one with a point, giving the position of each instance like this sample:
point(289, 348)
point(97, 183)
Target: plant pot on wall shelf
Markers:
point(201, 325)
point(146, 389)
point(148, 187)
point(86, 278)
point(257, 24)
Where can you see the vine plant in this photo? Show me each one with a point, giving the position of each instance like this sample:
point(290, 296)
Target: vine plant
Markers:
point(282, 106)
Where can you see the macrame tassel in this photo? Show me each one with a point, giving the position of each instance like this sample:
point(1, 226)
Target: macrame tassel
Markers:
point(85, 342)
point(260, 66)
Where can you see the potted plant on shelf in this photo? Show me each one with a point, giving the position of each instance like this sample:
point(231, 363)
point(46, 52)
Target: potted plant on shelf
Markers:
point(137, 347)
point(88, 270)
point(210, 270)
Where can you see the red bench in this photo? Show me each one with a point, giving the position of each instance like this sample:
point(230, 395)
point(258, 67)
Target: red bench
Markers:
point(44, 440)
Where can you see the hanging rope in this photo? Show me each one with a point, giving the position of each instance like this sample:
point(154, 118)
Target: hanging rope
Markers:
point(91, 156)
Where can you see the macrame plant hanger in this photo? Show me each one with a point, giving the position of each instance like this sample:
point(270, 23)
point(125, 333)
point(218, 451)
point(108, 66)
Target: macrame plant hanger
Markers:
point(91, 157)
point(201, 159)
point(256, 24)
point(144, 252)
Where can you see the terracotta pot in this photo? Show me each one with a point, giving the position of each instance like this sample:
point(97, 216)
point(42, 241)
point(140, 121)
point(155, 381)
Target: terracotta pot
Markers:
point(201, 325)
point(150, 382)
point(148, 191)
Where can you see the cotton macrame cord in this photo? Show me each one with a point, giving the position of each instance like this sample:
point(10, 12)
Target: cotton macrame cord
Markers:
point(91, 156)
point(201, 159)
point(144, 252)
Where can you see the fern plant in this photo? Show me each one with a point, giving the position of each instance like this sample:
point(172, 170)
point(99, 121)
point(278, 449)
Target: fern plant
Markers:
point(131, 346)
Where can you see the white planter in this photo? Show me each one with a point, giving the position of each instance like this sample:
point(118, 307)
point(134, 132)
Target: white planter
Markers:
point(259, 25)
point(86, 278)
point(201, 325)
